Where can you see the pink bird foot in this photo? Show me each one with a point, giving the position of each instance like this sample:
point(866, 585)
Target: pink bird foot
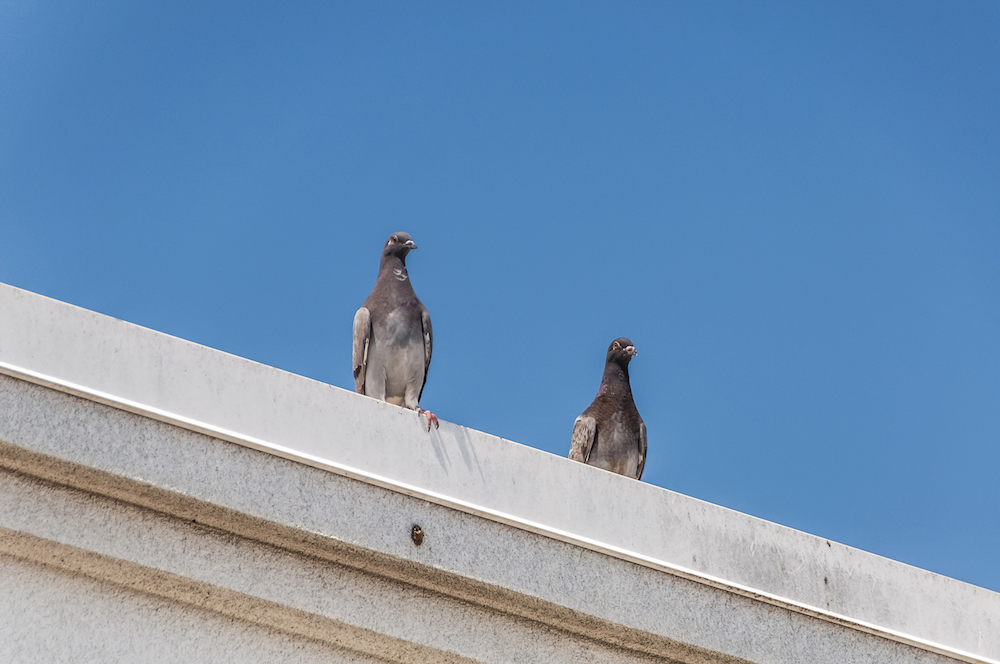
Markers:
point(431, 418)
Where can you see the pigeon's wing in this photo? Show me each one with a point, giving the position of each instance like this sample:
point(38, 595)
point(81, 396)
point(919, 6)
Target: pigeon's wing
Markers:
point(362, 335)
point(584, 430)
point(425, 323)
point(642, 450)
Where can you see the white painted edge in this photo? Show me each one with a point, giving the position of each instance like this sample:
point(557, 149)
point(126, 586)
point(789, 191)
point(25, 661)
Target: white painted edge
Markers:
point(484, 512)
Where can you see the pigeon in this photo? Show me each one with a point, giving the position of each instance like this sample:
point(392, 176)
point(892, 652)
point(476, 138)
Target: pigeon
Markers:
point(392, 335)
point(610, 434)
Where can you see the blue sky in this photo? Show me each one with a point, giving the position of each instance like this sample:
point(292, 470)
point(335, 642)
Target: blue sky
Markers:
point(793, 209)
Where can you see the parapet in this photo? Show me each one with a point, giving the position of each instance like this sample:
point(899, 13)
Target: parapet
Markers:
point(161, 497)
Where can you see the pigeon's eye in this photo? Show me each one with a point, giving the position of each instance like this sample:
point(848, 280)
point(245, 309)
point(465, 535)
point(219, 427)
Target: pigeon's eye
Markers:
point(393, 240)
point(617, 346)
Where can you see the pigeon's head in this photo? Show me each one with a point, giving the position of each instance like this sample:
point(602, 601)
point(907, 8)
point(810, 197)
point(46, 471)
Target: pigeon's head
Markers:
point(398, 244)
point(621, 351)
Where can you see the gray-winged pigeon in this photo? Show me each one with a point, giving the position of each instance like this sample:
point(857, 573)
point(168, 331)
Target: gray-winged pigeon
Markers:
point(392, 334)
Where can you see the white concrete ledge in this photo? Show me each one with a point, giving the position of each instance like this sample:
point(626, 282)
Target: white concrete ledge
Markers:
point(619, 568)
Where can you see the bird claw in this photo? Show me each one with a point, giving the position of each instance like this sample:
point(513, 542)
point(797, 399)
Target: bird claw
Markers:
point(431, 418)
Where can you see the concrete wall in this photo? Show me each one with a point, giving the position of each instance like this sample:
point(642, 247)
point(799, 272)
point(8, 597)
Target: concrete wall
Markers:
point(162, 499)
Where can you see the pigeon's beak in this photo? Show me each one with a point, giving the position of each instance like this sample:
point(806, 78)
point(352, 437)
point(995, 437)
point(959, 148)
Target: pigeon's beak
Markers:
point(409, 244)
point(631, 350)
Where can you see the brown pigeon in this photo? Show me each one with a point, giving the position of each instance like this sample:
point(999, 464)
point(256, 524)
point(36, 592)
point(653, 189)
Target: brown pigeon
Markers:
point(610, 434)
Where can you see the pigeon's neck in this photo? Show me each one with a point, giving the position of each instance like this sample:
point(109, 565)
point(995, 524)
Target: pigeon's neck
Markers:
point(615, 381)
point(392, 268)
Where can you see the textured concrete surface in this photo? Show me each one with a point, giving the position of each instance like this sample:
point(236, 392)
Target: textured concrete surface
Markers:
point(53, 616)
point(198, 521)
point(506, 560)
